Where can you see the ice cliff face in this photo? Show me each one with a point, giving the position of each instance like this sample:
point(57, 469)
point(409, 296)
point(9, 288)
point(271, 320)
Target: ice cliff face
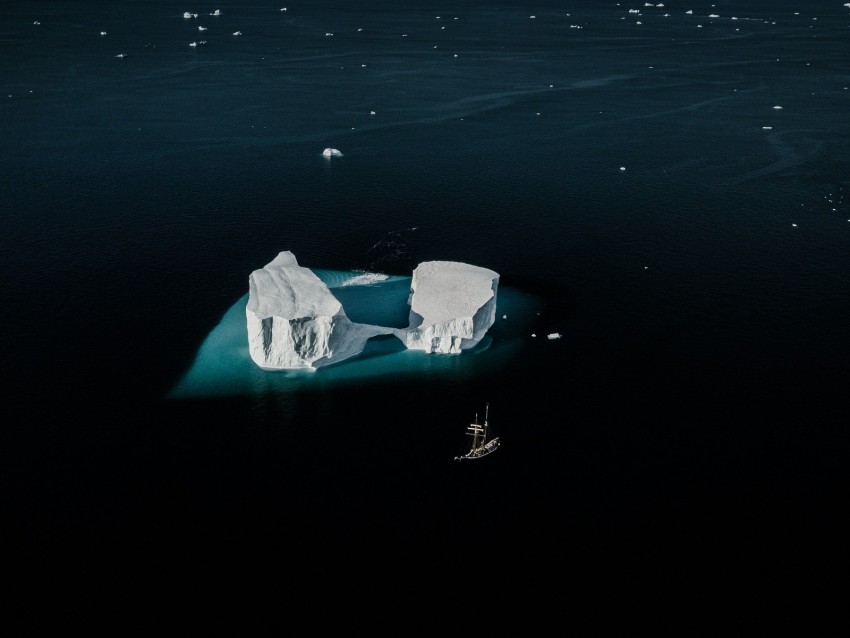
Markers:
point(294, 320)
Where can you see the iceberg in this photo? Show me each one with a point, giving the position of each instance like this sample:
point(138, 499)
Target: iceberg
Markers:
point(295, 321)
point(452, 305)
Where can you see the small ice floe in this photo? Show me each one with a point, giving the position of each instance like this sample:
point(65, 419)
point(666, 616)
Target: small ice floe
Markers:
point(554, 335)
point(193, 44)
point(283, 8)
point(504, 316)
point(794, 225)
point(533, 334)
point(121, 55)
point(331, 152)
point(371, 112)
point(103, 33)
point(188, 15)
point(200, 28)
point(622, 168)
point(777, 108)
point(237, 33)
point(328, 34)
point(36, 22)
point(365, 279)
point(713, 15)
point(767, 128)
point(217, 12)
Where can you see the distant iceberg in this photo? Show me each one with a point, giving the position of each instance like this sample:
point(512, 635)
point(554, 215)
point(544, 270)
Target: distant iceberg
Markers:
point(331, 152)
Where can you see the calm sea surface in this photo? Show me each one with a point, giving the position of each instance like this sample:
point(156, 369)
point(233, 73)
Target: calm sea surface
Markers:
point(669, 190)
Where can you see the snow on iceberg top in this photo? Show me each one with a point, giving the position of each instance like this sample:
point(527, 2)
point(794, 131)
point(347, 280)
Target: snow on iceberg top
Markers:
point(446, 290)
point(284, 289)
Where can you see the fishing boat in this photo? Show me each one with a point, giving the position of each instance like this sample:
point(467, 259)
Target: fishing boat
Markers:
point(483, 443)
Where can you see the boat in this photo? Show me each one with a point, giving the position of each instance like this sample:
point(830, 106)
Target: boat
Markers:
point(483, 443)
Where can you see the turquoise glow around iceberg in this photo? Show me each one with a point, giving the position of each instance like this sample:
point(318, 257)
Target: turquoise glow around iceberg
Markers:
point(223, 366)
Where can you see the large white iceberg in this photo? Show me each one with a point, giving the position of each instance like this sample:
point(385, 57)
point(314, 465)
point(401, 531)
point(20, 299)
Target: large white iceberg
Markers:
point(295, 321)
point(452, 305)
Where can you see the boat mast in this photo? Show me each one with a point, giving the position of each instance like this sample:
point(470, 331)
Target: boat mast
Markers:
point(475, 430)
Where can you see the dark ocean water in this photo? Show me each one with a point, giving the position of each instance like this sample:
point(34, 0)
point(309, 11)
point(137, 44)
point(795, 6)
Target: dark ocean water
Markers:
point(628, 175)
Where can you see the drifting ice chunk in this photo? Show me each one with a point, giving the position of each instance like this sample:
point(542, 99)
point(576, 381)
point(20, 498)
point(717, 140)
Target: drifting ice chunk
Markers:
point(554, 335)
point(331, 152)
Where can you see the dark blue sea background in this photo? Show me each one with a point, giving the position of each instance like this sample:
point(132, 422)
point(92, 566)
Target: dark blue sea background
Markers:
point(666, 188)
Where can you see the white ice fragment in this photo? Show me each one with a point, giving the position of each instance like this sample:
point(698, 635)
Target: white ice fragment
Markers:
point(121, 55)
point(504, 316)
point(237, 33)
point(767, 128)
point(365, 279)
point(622, 168)
point(193, 44)
point(371, 112)
point(103, 33)
point(331, 152)
point(200, 28)
point(217, 12)
point(777, 108)
point(554, 335)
